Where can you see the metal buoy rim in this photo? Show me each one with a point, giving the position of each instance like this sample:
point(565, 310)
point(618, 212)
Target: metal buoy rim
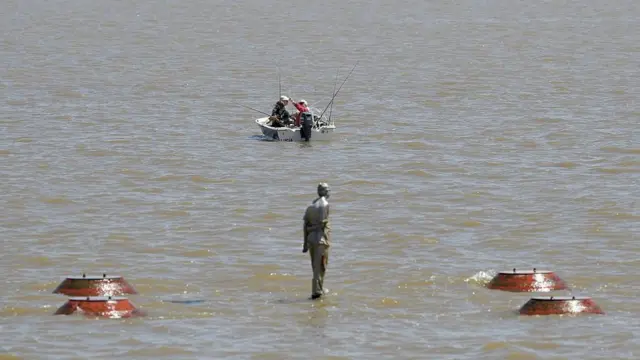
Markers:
point(94, 277)
point(97, 298)
point(560, 298)
point(525, 272)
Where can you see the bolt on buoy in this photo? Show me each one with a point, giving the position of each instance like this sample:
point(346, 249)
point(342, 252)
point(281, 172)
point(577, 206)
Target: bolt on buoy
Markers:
point(560, 305)
point(527, 281)
point(94, 286)
point(99, 306)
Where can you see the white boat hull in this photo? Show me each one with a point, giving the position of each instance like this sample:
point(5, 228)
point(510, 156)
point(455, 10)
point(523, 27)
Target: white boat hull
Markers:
point(293, 134)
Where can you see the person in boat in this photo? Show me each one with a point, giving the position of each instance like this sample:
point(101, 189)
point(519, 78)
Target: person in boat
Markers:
point(301, 106)
point(279, 115)
point(317, 238)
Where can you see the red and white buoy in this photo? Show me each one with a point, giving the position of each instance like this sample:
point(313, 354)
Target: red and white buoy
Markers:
point(527, 281)
point(560, 305)
point(111, 307)
point(94, 286)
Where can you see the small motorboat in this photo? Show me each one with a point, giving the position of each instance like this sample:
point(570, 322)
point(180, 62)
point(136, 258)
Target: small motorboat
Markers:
point(313, 128)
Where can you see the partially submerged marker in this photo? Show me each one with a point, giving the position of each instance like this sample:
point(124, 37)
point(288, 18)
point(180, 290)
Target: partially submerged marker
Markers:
point(560, 305)
point(527, 281)
point(111, 307)
point(94, 286)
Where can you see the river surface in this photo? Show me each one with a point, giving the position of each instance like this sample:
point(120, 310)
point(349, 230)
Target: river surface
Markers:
point(473, 137)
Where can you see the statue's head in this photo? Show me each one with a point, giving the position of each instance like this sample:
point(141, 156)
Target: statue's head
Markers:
point(324, 190)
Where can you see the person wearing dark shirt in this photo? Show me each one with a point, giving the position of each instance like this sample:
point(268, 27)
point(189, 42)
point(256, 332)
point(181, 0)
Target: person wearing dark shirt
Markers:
point(279, 115)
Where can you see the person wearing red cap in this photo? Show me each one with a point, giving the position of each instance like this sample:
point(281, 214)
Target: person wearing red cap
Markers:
point(301, 106)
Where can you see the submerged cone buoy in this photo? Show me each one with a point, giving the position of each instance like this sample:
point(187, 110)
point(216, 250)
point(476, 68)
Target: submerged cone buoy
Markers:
point(560, 305)
point(94, 286)
point(112, 307)
point(527, 281)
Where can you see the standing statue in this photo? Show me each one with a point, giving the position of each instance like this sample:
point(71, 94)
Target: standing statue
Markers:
point(317, 238)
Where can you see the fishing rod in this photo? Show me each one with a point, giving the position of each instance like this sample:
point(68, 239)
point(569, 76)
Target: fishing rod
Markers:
point(336, 93)
point(279, 83)
point(279, 80)
point(249, 107)
point(334, 90)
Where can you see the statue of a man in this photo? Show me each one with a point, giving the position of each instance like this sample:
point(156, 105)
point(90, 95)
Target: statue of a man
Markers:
point(317, 238)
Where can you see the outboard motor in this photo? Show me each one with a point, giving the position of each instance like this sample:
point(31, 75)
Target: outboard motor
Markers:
point(306, 120)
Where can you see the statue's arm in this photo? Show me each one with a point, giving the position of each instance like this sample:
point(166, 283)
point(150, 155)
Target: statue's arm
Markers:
point(304, 232)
